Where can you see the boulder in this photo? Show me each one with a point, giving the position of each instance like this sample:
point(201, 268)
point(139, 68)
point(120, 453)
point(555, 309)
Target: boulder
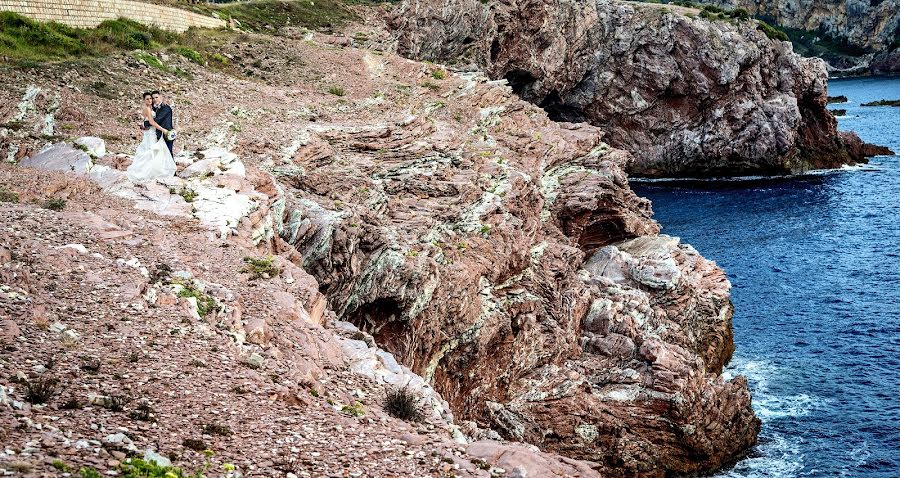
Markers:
point(60, 157)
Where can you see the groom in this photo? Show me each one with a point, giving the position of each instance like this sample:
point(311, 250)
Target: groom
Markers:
point(163, 119)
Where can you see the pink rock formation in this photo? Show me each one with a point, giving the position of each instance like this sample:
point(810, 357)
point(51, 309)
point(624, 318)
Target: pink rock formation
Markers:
point(685, 95)
point(463, 253)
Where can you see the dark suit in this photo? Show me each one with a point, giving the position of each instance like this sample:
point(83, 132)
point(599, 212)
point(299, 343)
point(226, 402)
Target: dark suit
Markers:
point(164, 120)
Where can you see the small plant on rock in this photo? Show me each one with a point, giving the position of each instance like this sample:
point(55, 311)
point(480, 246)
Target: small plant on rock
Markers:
point(336, 90)
point(8, 196)
point(90, 364)
point(431, 86)
point(216, 429)
point(205, 303)
point(54, 204)
point(88, 472)
point(403, 404)
point(188, 194)
point(143, 412)
point(116, 402)
point(138, 468)
point(60, 466)
point(355, 410)
point(41, 390)
point(260, 267)
point(195, 444)
point(438, 74)
point(71, 403)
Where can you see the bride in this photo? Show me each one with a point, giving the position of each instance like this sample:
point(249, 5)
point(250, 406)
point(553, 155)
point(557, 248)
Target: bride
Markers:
point(152, 160)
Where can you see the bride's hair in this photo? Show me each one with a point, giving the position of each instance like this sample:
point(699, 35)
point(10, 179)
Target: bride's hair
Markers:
point(146, 94)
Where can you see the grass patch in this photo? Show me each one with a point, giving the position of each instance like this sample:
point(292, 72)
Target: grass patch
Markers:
point(337, 90)
point(272, 16)
point(260, 267)
point(191, 54)
point(439, 74)
point(41, 390)
point(23, 38)
point(8, 196)
point(54, 204)
point(138, 468)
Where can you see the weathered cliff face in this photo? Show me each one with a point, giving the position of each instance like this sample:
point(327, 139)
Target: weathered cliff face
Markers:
point(686, 96)
point(865, 24)
point(504, 257)
point(499, 254)
point(867, 32)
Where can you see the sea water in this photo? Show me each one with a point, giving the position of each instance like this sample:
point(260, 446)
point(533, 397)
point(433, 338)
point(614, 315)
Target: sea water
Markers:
point(815, 266)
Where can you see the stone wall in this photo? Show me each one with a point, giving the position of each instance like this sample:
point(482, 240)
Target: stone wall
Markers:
point(90, 13)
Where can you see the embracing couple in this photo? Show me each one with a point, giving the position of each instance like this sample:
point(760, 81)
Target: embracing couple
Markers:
point(154, 158)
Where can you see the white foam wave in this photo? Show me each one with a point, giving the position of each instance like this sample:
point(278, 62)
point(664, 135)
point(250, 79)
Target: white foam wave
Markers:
point(813, 172)
point(779, 457)
point(767, 404)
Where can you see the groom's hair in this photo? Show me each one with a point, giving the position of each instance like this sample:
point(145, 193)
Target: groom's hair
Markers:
point(155, 92)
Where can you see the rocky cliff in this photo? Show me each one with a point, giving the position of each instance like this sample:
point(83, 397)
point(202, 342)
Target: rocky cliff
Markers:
point(510, 264)
point(423, 224)
point(870, 28)
point(687, 96)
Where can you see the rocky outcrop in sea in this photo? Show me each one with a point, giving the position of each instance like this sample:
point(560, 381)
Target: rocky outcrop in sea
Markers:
point(687, 96)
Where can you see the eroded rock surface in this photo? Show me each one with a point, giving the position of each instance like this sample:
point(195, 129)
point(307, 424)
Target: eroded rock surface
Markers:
point(461, 252)
point(685, 95)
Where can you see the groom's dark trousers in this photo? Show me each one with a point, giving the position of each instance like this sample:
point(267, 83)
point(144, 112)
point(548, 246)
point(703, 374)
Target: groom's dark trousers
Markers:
point(164, 119)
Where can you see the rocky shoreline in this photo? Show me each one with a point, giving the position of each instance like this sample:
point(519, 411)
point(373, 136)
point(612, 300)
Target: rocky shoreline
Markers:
point(426, 228)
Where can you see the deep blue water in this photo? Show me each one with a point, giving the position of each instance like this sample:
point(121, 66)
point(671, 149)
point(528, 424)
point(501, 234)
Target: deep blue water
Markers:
point(815, 267)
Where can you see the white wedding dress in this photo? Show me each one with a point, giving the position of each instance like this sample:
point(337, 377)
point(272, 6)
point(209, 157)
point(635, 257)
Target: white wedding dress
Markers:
point(152, 160)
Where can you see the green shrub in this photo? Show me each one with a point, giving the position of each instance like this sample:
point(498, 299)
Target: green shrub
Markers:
point(137, 468)
point(260, 267)
point(403, 404)
point(336, 90)
point(54, 204)
point(205, 303)
point(190, 54)
point(151, 61)
point(8, 196)
point(772, 32)
point(438, 74)
point(220, 59)
point(271, 16)
point(89, 473)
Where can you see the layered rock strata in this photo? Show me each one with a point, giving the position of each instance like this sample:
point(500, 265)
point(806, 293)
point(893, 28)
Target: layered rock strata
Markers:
point(512, 267)
point(685, 95)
